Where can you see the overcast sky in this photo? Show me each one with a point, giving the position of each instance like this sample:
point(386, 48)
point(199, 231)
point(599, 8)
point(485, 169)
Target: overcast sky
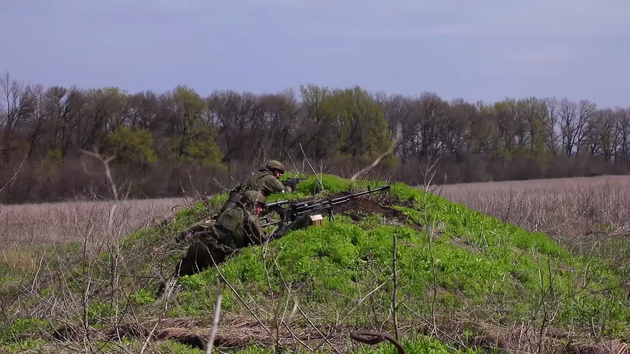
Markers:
point(476, 50)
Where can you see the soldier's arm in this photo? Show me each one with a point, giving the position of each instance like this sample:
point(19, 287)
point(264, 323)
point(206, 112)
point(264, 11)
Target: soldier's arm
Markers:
point(255, 227)
point(273, 185)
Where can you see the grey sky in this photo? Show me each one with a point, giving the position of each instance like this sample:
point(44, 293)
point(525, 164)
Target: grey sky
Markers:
point(477, 50)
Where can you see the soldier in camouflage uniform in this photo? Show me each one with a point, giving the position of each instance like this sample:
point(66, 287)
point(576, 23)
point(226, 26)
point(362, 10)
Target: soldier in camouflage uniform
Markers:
point(236, 228)
point(266, 181)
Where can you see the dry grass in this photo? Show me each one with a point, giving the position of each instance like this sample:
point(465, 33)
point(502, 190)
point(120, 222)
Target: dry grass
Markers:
point(576, 211)
point(583, 213)
point(60, 223)
point(589, 215)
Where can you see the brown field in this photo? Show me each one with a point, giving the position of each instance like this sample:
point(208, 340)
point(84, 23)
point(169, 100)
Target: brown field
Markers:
point(585, 214)
point(582, 213)
point(588, 215)
point(567, 208)
point(58, 223)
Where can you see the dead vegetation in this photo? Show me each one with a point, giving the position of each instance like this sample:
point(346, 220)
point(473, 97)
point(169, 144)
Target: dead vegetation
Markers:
point(533, 205)
point(587, 215)
point(561, 207)
point(239, 331)
point(62, 223)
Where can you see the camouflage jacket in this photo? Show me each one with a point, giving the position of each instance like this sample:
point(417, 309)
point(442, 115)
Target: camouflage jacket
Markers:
point(263, 181)
point(235, 228)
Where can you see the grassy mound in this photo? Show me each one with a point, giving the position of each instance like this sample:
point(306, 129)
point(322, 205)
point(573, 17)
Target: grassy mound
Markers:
point(463, 281)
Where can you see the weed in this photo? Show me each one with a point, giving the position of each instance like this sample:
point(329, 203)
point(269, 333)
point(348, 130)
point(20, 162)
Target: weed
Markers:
point(460, 275)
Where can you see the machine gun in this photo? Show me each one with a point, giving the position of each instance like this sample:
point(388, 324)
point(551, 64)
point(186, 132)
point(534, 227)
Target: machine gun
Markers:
point(295, 211)
point(293, 182)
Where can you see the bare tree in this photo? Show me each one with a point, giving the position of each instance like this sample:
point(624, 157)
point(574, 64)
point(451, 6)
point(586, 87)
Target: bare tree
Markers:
point(623, 128)
point(341, 129)
point(16, 104)
point(587, 111)
point(552, 129)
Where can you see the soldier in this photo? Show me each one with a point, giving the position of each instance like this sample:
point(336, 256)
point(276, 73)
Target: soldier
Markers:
point(266, 181)
point(236, 228)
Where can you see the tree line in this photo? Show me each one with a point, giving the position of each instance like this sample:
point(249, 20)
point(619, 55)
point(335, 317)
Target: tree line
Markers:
point(168, 144)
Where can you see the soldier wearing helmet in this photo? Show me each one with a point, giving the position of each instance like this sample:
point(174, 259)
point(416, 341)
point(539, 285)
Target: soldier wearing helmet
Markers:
point(266, 181)
point(236, 228)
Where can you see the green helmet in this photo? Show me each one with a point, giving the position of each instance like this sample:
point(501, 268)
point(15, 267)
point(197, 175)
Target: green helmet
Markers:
point(252, 197)
point(275, 165)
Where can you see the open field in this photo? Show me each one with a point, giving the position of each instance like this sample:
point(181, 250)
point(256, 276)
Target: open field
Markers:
point(466, 280)
point(575, 209)
point(587, 215)
point(565, 206)
point(61, 223)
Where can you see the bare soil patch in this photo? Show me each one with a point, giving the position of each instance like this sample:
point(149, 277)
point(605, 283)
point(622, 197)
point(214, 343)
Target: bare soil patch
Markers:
point(234, 332)
point(237, 332)
point(467, 245)
point(359, 208)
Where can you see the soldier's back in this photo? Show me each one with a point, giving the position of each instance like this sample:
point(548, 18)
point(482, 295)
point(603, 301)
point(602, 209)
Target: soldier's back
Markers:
point(257, 181)
point(230, 223)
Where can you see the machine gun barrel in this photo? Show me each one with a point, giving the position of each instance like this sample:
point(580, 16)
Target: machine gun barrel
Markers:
point(305, 206)
point(271, 223)
point(276, 205)
point(294, 211)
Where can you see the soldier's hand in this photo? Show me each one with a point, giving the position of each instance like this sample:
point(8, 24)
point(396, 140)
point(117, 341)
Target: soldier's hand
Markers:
point(182, 237)
point(291, 183)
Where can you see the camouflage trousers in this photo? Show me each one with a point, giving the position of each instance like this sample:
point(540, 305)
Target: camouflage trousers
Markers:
point(205, 251)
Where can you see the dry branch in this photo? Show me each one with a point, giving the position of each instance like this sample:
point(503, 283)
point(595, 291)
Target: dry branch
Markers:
point(215, 323)
point(14, 178)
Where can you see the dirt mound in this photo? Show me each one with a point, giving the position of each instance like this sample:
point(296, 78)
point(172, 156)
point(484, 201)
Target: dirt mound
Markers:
point(359, 208)
point(368, 206)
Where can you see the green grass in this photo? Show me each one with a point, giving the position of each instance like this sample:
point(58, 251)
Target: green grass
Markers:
point(333, 264)
point(460, 262)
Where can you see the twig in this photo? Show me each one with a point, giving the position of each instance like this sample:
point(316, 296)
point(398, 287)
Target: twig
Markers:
point(394, 276)
point(240, 298)
point(263, 253)
point(317, 329)
point(146, 342)
point(507, 213)
point(295, 307)
point(215, 323)
point(293, 162)
point(377, 337)
point(373, 164)
point(363, 299)
point(430, 231)
point(14, 178)
point(319, 179)
point(155, 327)
point(219, 184)
point(427, 184)
point(107, 170)
point(192, 185)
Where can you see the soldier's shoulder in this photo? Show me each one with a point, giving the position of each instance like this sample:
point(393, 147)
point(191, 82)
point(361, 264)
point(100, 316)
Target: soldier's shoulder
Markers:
point(263, 173)
point(233, 211)
point(268, 177)
point(271, 181)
